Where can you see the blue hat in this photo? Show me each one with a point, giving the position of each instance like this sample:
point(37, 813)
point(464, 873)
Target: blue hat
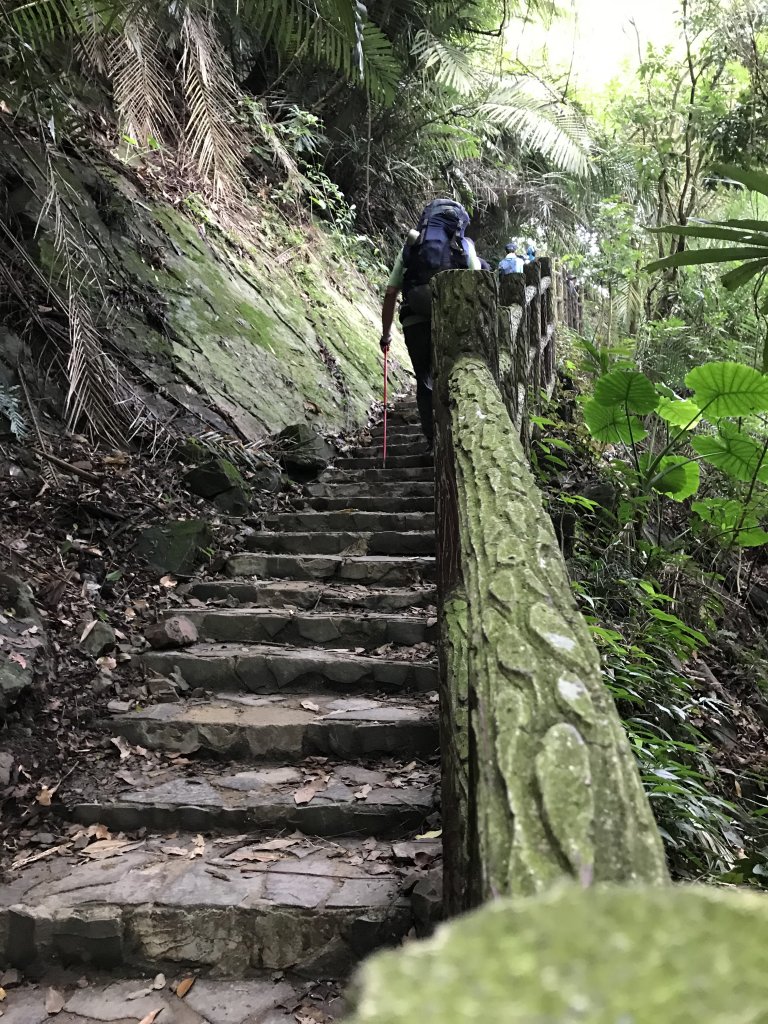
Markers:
point(511, 247)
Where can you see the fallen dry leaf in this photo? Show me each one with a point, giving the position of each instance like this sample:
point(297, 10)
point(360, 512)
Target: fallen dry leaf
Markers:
point(88, 629)
point(45, 795)
point(54, 1001)
point(363, 792)
point(104, 848)
point(159, 982)
point(123, 746)
point(168, 582)
point(139, 993)
point(18, 658)
point(184, 986)
point(307, 793)
point(310, 705)
point(151, 1017)
point(33, 857)
point(3, 994)
point(198, 850)
point(276, 844)
point(248, 853)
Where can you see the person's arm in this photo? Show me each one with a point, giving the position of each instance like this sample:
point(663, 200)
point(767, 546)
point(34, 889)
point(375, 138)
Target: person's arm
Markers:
point(394, 284)
point(387, 316)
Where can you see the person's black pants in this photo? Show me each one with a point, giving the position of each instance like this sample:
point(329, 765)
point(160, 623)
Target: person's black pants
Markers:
point(418, 341)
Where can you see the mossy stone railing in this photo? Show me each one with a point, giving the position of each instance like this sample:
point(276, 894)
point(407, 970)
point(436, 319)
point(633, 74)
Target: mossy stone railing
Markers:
point(539, 782)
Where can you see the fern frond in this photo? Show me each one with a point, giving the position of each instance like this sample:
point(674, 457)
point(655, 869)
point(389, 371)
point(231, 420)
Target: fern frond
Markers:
point(10, 407)
point(212, 138)
point(139, 80)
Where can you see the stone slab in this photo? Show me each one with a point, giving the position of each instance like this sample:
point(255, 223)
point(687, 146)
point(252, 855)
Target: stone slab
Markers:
point(316, 629)
point(372, 503)
point(339, 487)
point(354, 801)
point(282, 728)
point(379, 475)
point(375, 460)
point(390, 542)
point(262, 669)
point(407, 445)
point(307, 594)
point(352, 519)
point(389, 569)
point(103, 1001)
point(162, 907)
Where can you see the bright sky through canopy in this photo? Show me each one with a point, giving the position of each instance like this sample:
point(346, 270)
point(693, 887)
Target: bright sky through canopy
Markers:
point(598, 35)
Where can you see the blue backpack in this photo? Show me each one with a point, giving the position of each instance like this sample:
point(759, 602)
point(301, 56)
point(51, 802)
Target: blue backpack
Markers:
point(439, 245)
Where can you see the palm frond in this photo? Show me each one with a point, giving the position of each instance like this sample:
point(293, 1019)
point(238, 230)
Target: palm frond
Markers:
point(450, 64)
point(211, 135)
point(139, 80)
point(553, 129)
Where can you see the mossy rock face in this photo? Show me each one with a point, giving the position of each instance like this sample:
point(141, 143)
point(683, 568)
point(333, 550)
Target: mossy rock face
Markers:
point(302, 449)
point(234, 502)
point(176, 546)
point(224, 336)
point(213, 477)
point(582, 956)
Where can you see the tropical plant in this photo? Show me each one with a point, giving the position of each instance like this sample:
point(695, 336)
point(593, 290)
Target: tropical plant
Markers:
point(627, 408)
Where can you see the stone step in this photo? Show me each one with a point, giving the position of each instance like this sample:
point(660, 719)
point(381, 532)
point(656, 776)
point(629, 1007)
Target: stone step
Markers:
point(399, 490)
point(353, 800)
point(318, 910)
point(307, 595)
point(373, 503)
point(338, 568)
point(263, 669)
point(400, 476)
point(339, 543)
point(287, 728)
point(397, 428)
point(351, 519)
point(395, 449)
point(373, 460)
point(318, 629)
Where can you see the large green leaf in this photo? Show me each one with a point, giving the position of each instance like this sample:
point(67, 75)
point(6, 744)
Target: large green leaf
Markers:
point(679, 412)
point(754, 225)
point(740, 276)
point(627, 388)
point(728, 389)
point(696, 257)
point(733, 523)
point(678, 477)
point(733, 453)
point(611, 425)
point(715, 232)
point(757, 181)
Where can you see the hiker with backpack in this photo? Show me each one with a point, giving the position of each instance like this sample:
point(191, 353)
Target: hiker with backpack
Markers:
point(512, 262)
point(438, 243)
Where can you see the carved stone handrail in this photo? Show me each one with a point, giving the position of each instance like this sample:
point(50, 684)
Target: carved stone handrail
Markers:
point(539, 782)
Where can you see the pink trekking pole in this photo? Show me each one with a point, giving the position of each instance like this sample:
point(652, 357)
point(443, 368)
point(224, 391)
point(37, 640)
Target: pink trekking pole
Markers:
point(386, 354)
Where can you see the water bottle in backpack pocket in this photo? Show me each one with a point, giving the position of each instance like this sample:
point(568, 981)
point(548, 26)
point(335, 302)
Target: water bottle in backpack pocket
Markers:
point(439, 244)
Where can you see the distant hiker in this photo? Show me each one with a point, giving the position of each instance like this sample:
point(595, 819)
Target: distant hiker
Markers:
point(530, 254)
point(512, 263)
point(438, 243)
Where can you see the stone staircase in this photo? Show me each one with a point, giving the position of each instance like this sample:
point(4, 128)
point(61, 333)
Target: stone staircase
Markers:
point(273, 838)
